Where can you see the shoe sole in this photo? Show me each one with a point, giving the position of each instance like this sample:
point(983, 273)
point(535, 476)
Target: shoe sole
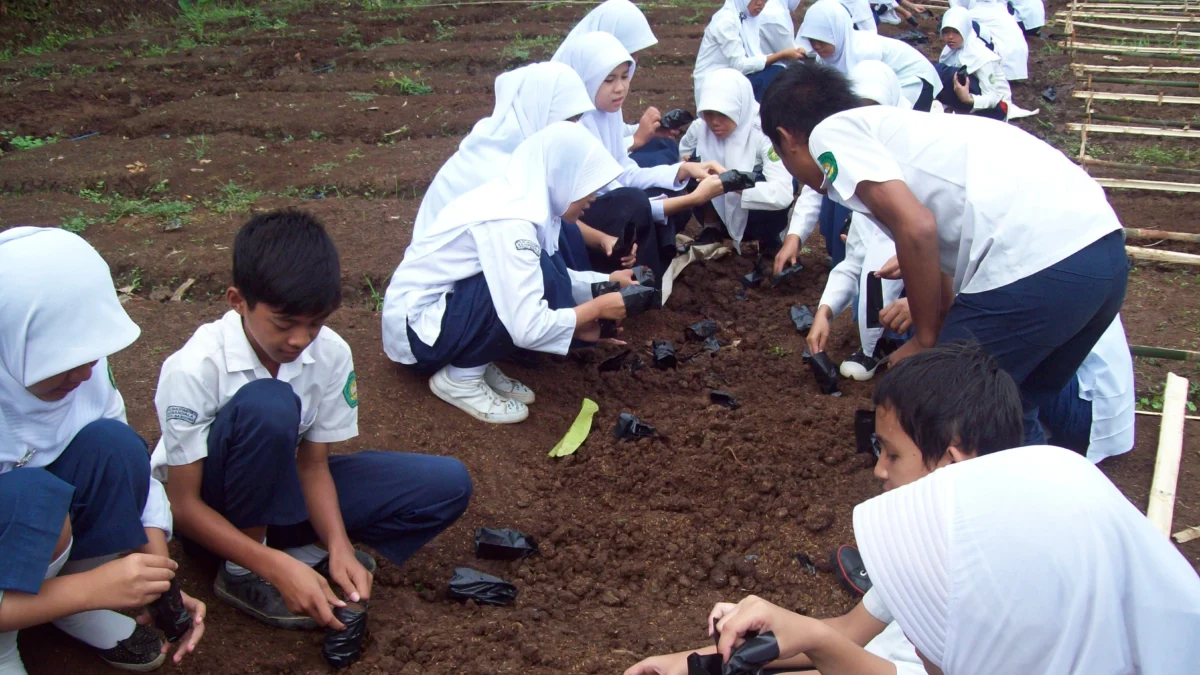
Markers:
point(287, 623)
point(859, 377)
point(138, 667)
point(482, 417)
point(527, 399)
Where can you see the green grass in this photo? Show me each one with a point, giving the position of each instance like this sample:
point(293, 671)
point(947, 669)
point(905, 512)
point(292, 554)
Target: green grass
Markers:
point(443, 32)
point(233, 198)
point(26, 142)
point(315, 135)
point(351, 38)
point(406, 85)
point(1160, 155)
point(398, 40)
point(155, 50)
point(361, 97)
point(53, 41)
point(522, 48)
point(376, 298)
point(147, 206)
point(198, 147)
point(78, 222)
point(79, 71)
point(326, 167)
point(41, 71)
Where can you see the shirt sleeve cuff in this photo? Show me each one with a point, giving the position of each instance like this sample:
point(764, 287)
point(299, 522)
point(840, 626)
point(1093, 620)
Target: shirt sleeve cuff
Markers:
point(337, 435)
point(658, 210)
point(157, 512)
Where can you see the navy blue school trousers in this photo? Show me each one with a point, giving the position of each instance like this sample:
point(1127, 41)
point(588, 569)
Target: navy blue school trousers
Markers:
point(833, 220)
point(1068, 418)
point(100, 481)
point(762, 79)
point(393, 501)
point(656, 152)
point(1042, 327)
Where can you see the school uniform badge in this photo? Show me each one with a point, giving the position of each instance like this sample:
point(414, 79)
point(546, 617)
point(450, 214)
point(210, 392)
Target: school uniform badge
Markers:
point(111, 380)
point(828, 166)
point(528, 245)
point(350, 391)
point(772, 155)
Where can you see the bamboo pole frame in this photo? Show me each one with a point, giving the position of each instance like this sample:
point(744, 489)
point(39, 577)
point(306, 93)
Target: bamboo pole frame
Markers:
point(1139, 233)
point(1166, 124)
point(1140, 30)
point(1082, 68)
point(1130, 8)
point(1154, 255)
point(1133, 131)
point(1144, 168)
point(1160, 186)
point(1161, 508)
point(1156, 18)
point(1160, 99)
point(1151, 413)
point(1163, 353)
point(1170, 53)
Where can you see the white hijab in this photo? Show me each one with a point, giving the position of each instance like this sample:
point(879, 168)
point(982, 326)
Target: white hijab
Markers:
point(558, 165)
point(780, 12)
point(58, 311)
point(728, 92)
point(736, 10)
point(620, 18)
point(973, 54)
point(828, 21)
point(876, 81)
point(527, 99)
point(593, 56)
point(1030, 562)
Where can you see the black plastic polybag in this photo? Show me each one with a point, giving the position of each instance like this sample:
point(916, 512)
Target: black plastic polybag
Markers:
point(505, 544)
point(802, 318)
point(913, 37)
point(469, 584)
point(169, 614)
point(755, 652)
point(806, 562)
point(599, 288)
point(704, 664)
point(735, 179)
point(806, 356)
point(664, 354)
point(1050, 94)
point(613, 363)
point(343, 647)
point(641, 299)
point(826, 372)
point(629, 427)
point(752, 278)
point(864, 432)
point(701, 330)
point(785, 273)
point(625, 242)
point(711, 345)
point(609, 329)
point(723, 398)
point(676, 119)
point(644, 275)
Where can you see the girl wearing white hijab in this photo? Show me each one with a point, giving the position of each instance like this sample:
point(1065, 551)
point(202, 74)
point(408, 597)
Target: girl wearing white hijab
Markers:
point(606, 68)
point(986, 91)
point(732, 40)
point(1005, 34)
point(728, 132)
point(74, 478)
point(482, 282)
point(828, 28)
point(1022, 562)
point(776, 27)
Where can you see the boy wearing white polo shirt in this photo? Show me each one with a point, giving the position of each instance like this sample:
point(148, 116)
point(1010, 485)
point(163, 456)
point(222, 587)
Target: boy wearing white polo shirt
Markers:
point(249, 410)
point(999, 237)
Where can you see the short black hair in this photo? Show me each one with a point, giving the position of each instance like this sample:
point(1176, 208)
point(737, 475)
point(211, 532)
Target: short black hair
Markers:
point(954, 394)
point(802, 96)
point(286, 260)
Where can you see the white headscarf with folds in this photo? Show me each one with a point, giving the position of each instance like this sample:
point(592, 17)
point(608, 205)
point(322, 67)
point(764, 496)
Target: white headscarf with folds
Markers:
point(876, 81)
point(747, 25)
point(728, 92)
point(527, 100)
point(1030, 561)
point(620, 18)
point(594, 56)
point(58, 311)
point(828, 21)
point(973, 54)
point(561, 164)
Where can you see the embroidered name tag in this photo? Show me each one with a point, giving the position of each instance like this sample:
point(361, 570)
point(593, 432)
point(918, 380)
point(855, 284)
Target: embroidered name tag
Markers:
point(178, 412)
point(527, 245)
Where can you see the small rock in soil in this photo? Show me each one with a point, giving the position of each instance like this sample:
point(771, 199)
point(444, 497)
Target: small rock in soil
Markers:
point(818, 520)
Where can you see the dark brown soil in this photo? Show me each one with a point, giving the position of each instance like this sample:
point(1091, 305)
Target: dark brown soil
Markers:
point(638, 539)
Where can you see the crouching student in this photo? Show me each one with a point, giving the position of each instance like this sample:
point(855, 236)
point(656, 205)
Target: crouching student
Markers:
point(484, 281)
point(250, 410)
point(1002, 30)
point(728, 133)
point(974, 411)
point(1031, 264)
point(732, 40)
point(978, 559)
point(75, 485)
point(651, 198)
point(776, 28)
point(986, 92)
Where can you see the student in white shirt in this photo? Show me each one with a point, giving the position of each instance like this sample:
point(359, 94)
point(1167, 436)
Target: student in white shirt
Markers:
point(974, 412)
point(732, 40)
point(829, 29)
point(986, 92)
point(650, 197)
point(74, 477)
point(861, 15)
point(999, 237)
point(728, 133)
point(1006, 36)
point(482, 283)
point(776, 27)
point(250, 410)
point(1030, 15)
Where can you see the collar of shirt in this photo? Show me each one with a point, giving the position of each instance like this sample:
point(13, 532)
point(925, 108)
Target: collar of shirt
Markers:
point(240, 355)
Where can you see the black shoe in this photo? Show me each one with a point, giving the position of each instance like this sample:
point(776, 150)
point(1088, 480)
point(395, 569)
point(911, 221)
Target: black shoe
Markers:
point(253, 595)
point(859, 366)
point(140, 652)
point(363, 559)
point(848, 565)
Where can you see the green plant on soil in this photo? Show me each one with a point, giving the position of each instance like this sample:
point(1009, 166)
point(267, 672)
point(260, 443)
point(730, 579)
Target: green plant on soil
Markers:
point(30, 142)
point(326, 167)
point(522, 48)
point(53, 41)
point(354, 154)
point(41, 71)
point(696, 18)
point(233, 198)
point(198, 147)
point(78, 222)
point(315, 135)
point(351, 38)
point(376, 298)
point(6, 55)
point(147, 207)
point(197, 15)
point(406, 85)
point(443, 32)
point(1160, 155)
point(398, 40)
point(79, 71)
point(361, 97)
point(156, 50)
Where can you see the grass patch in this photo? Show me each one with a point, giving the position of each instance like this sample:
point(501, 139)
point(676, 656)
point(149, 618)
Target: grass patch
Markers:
point(376, 298)
point(78, 223)
point(26, 142)
point(155, 50)
point(522, 48)
point(406, 85)
point(53, 41)
point(351, 38)
point(361, 97)
point(1164, 155)
point(147, 206)
point(443, 32)
point(79, 71)
point(398, 40)
point(197, 147)
point(326, 167)
point(233, 198)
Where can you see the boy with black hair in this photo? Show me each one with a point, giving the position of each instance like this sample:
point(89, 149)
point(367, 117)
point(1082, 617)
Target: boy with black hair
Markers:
point(945, 405)
point(999, 237)
point(250, 408)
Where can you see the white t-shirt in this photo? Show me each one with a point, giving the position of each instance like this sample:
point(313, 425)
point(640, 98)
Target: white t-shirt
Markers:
point(1007, 205)
point(199, 379)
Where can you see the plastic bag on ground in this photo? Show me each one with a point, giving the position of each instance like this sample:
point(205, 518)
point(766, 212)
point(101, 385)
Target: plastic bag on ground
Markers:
point(826, 373)
point(802, 318)
point(864, 432)
point(640, 299)
point(701, 330)
point(664, 354)
point(613, 363)
point(504, 544)
point(629, 427)
point(724, 398)
point(784, 274)
point(752, 278)
point(343, 647)
point(470, 584)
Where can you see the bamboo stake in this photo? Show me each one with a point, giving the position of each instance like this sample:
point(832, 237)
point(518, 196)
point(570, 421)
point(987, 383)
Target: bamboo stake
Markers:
point(1150, 42)
point(1142, 120)
point(1163, 353)
point(1138, 253)
point(1150, 83)
point(1139, 233)
point(1161, 508)
point(1144, 168)
point(1134, 131)
point(1143, 98)
point(1151, 413)
point(1173, 70)
point(1169, 53)
point(1160, 186)
point(1155, 18)
point(1139, 30)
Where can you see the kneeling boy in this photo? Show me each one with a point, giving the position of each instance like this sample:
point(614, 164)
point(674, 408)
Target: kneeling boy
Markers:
point(250, 409)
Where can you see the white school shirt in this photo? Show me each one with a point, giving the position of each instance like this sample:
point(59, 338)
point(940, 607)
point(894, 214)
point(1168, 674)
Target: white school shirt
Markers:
point(721, 47)
point(1005, 34)
point(993, 87)
point(912, 68)
point(861, 15)
point(1032, 13)
point(1006, 204)
point(776, 28)
point(1106, 379)
point(805, 213)
point(197, 381)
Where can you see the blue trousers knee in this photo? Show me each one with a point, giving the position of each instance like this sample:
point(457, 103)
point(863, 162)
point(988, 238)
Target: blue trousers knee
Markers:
point(1042, 327)
point(1068, 418)
point(832, 222)
point(762, 79)
point(395, 502)
point(656, 152)
point(100, 481)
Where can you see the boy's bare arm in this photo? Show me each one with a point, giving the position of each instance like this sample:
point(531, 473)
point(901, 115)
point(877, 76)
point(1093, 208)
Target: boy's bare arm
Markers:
point(320, 496)
point(199, 522)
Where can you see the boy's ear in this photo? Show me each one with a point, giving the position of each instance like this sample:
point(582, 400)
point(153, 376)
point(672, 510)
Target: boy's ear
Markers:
point(955, 454)
point(236, 300)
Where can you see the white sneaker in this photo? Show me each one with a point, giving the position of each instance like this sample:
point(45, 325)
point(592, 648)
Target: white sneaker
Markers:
point(859, 366)
point(506, 386)
point(477, 399)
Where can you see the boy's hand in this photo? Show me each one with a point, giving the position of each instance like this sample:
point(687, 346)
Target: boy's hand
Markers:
point(818, 335)
point(187, 644)
point(896, 316)
point(133, 581)
point(756, 614)
point(890, 269)
point(610, 306)
point(709, 189)
point(788, 254)
point(628, 261)
point(304, 591)
point(623, 277)
point(666, 664)
point(345, 569)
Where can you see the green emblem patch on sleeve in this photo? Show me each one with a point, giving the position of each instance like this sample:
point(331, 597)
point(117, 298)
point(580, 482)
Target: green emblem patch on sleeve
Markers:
point(772, 155)
point(350, 391)
point(111, 380)
point(828, 166)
